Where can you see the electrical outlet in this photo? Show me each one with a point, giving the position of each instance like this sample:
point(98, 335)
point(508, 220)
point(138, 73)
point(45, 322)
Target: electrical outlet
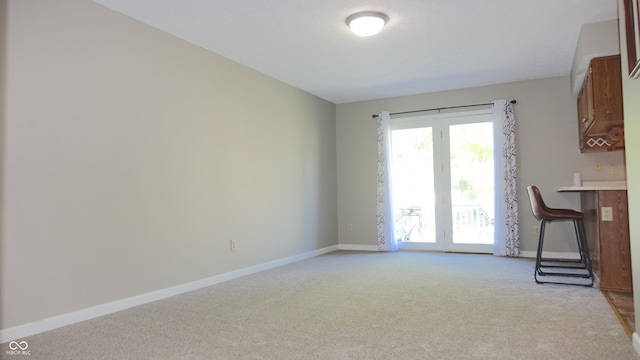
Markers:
point(607, 213)
point(232, 245)
point(614, 170)
point(349, 227)
point(597, 166)
point(536, 230)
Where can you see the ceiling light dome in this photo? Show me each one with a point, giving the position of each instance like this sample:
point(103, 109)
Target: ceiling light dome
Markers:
point(367, 23)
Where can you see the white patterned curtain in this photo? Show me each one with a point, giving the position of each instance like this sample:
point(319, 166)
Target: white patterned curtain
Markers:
point(507, 239)
point(387, 241)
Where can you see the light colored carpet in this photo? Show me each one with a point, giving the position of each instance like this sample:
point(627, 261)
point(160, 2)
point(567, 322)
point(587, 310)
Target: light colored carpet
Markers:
point(350, 305)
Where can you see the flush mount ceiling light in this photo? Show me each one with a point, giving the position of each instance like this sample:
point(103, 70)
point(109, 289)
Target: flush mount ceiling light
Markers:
point(367, 23)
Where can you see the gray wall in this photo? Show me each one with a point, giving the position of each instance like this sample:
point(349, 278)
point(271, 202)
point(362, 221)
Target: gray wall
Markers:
point(631, 96)
point(3, 33)
point(132, 158)
point(547, 142)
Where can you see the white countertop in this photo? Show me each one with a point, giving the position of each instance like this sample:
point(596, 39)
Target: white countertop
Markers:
point(597, 185)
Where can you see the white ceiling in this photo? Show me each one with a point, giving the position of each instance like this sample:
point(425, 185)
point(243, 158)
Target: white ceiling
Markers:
point(427, 45)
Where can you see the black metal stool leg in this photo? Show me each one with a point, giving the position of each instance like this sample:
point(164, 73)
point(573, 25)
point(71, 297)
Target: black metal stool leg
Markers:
point(584, 263)
point(538, 270)
point(567, 263)
point(576, 226)
point(585, 247)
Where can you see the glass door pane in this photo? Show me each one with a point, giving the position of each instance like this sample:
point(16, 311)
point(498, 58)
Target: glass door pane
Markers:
point(471, 169)
point(413, 184)
point(442, 182)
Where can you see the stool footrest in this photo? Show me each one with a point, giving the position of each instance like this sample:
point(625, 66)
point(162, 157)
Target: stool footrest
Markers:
point(548, 273)
point(564, 264)
point(583, 266)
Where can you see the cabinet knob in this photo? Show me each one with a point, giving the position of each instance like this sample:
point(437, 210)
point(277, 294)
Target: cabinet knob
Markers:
point(584, 120)
point(615, 134)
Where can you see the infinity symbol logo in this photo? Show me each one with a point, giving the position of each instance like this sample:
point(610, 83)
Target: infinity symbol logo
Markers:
point(22, 345)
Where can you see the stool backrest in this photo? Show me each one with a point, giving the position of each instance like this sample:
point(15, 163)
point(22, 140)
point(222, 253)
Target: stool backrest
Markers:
point(538, 207)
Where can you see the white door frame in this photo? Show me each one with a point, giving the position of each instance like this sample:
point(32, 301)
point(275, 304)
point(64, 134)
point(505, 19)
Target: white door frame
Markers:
point(444, 224)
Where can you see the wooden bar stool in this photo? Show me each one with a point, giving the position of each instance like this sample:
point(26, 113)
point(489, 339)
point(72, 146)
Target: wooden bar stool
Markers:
point(558, 268)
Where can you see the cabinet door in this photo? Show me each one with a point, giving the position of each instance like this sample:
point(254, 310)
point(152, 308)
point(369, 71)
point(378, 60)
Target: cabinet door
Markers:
point(615, 253)
point(606, 80)
point(589, 102)
point(608, 241)
point(600, 114)
point(583, 116)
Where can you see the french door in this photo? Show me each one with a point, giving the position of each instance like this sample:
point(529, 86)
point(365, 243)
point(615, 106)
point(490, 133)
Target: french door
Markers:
point(442, 178)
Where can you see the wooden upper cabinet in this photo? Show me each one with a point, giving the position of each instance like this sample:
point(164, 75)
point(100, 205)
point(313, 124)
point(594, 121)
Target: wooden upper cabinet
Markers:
point(584, 118)
point(600, 116)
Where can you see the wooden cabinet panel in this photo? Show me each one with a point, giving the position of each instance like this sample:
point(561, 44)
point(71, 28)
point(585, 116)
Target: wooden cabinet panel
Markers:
point(600, 112)
point(583, 112)
point(606, 82)
point(608, 240)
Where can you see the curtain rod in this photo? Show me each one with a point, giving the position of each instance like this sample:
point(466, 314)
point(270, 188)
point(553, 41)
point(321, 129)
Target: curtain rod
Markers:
point(440, 108)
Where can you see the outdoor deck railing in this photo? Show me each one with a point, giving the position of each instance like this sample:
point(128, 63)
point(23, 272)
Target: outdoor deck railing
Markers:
point(409, 221)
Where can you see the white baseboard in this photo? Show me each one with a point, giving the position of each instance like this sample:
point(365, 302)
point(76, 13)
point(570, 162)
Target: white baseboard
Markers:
point(58, 321)
point(636, 342)
point(551, 255)
point(525, 254)
point(355, 247)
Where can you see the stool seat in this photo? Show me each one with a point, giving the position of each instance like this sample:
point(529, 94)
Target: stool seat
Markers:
point(570, 268)
point(557, 214)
